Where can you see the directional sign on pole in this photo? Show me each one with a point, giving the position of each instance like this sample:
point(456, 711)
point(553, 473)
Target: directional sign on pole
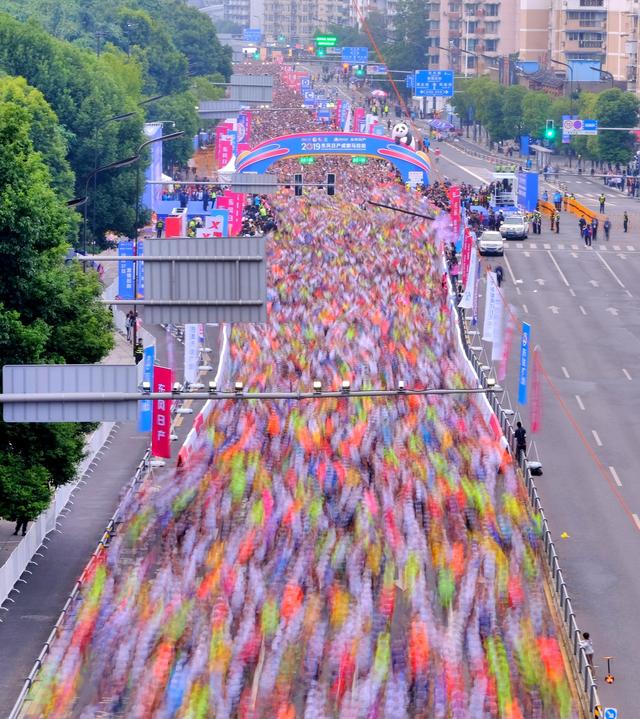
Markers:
point(206, 280)
point(69, 379)
point(355, 55)
point(433, 83)
point(576, 126)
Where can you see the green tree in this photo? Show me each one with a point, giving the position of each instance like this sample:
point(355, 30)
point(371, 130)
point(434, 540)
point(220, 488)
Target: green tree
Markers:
point(48, 137)
point(615, 108)
point(512, 112)
point(49, 312)
point(536, 109)
point(407, 49)
point(182, 110)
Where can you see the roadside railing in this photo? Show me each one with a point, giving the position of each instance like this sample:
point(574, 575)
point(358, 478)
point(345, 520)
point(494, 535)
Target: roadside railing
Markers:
point(564, 605)
point(110, 529)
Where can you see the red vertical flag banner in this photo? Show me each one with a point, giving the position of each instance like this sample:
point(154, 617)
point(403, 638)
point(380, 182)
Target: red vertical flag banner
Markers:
point(454, 213)
point(161, 418)
point(536, 398)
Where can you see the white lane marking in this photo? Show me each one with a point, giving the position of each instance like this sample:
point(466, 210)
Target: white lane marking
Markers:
point(533, 245)
point(628, 293)
point(582, 309)
point(596, 437)
point(553, 259)
point(561, 246)
point(527, 254)
point(572, 292)
point(604, 248)
point(526, 311)
point(636, 519)
point(579, 401)
point(626, 374)
point(464, 169)
point(508, 264)
point(621, 256)
point(565, 372)
point(614, 474)
point(574, 247)
point(617, 248)
point(546, 246)
point(574, 255)
point(608, 266)
point(519, 245)
point(630, 248)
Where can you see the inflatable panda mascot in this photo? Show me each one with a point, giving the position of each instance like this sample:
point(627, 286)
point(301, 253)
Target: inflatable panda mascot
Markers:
point(402, 135)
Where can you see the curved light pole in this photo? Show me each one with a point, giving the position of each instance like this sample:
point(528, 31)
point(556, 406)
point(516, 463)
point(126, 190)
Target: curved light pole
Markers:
point(564, 64)
point(606, 73)
point(162, 138)
point(111, 166)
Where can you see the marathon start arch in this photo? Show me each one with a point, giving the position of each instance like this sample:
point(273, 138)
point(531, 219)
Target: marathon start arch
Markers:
point(414, 166)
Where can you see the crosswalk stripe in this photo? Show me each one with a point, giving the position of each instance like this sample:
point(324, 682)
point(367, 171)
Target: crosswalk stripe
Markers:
point(630, 248)
point(574, 247)
point(561, 246)
point(617, 248)
point(533, 245)
point(547, 246)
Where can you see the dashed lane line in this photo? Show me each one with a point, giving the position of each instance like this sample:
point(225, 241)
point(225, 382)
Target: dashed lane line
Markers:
point(582, 309)
point(596, 436)
point(565, 371)
point(553, 259)
point(579, 401)
point(608, 266)
point(616, 479)
point(626, 374)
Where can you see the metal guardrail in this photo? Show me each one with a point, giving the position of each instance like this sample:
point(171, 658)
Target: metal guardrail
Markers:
point(563, 602)
point(75, 592)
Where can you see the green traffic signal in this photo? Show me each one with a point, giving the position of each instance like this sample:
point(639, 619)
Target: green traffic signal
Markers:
point(550, 130)
point(321, 52)
point(256, 55)
point(359, 71)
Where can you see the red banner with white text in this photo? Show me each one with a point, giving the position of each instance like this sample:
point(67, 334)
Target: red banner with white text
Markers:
point(161, 423)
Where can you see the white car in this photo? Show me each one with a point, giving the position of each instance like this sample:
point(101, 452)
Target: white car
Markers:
point(514, 227)
point(490, 242)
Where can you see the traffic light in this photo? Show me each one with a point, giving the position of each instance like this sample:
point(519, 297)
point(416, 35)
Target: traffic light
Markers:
point(321, 52)
point(331, 184)
point(550, 130)
point(359, 71)
point(256, 55)
point(297, 184)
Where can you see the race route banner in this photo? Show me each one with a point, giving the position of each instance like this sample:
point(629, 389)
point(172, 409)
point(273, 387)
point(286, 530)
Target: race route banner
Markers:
point(490, 308)
point(191, 352)
point(466, 254)
point(525, 339)
point(161, 425)
point(145, 406)
point(455, 214)
point(536, 398)
point(507, 342)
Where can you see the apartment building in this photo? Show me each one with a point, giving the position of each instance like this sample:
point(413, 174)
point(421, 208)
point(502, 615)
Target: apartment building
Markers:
point(584, 34)
point(474, 33)
point(297, 20)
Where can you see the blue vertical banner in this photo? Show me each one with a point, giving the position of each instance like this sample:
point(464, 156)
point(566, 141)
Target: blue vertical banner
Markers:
point(525, 341)
point(145, 406)
point(140, 286)
point(125, 270)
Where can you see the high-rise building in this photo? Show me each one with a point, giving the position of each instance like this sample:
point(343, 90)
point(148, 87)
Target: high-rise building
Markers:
point(297, 20)
point(584, 34)
point(476, 34)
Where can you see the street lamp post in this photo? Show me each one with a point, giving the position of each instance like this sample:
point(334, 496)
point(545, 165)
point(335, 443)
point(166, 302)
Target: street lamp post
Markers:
point(606, 73)
point(565, 64)
point(162, 138)
point(111, 166)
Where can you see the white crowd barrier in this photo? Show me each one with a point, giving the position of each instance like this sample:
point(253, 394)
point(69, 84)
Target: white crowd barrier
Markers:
point(19, 559)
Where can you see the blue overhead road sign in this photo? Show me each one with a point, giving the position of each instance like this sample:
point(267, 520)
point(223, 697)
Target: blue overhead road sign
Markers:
point(250, 34)
point(410, 81)
point(355, 55)
point(433, 83)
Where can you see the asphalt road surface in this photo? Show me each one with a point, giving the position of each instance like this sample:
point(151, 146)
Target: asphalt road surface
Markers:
point(584, 309)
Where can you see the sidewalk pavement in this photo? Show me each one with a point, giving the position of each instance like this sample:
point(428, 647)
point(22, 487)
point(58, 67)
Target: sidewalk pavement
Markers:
point(29, 619)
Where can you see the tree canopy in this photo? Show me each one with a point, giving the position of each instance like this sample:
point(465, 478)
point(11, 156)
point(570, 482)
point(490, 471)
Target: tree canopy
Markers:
point(49, 311)
point(508, 112)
